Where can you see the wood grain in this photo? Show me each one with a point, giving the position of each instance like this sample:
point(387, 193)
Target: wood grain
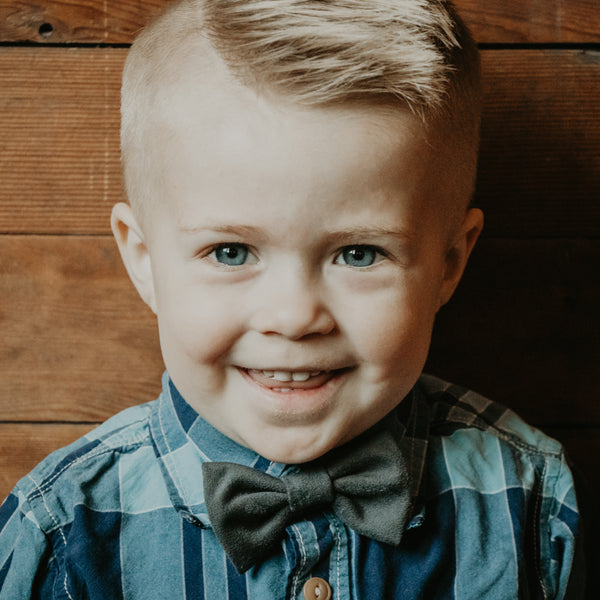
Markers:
point(540, 150)
point(24, 445)
point(523, 328)
point(93, 21)
point(532, 21)
point(59, 148)
point(59, 142)
point(75, 21)
point(78, 345)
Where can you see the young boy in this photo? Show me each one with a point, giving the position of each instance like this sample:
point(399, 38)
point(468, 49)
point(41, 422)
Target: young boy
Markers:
point(299, 175)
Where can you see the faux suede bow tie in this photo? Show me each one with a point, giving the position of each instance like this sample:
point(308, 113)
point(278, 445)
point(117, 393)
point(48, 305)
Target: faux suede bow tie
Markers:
point(365, 484)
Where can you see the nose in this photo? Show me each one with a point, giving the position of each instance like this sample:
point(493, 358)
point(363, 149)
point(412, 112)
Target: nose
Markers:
point(291, 305)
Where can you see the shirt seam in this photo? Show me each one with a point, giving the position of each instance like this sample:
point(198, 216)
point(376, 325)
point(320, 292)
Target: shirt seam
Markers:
point(538, 532)
point(303, 560)
point(46, 485)
point(553, 508)
point(169, 460)
point(484, 426)
point(60, 529)
point(338, 541)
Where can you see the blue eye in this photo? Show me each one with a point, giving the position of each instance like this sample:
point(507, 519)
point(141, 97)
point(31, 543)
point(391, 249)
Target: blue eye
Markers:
point(233, 255)
point(357, 256)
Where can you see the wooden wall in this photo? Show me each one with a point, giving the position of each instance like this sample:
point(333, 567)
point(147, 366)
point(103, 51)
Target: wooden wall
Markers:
point(77, 344)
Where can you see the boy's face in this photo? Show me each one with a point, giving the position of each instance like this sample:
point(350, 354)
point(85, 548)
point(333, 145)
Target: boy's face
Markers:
point(295, 260)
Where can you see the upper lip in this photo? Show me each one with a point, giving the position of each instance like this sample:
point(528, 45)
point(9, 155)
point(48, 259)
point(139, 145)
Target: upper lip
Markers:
point(286, 378)
point(303, 369)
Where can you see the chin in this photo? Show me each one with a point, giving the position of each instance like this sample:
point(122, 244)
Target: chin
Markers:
point(300, 449)
point(292, 458)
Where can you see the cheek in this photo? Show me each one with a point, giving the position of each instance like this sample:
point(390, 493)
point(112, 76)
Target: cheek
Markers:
point(403, 335)
point(196, 324)
point(396, 329)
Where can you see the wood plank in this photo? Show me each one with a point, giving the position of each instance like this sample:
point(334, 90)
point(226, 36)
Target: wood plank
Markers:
point(532, 21)
point(59, 148)
point(59, 142)
point(77, 342)
point(523, 328)
point(78, 345)
point(24, 445)
point(75, 21)
point(540, 149)
point(93, 21)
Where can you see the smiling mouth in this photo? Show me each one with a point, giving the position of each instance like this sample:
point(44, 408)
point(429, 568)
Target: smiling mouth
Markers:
point(289, 381)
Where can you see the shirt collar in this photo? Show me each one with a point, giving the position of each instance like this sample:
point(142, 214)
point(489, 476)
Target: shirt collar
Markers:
point(211, 443)
point(183, 441)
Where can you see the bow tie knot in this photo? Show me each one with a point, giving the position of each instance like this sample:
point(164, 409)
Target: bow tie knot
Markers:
point(310, 489)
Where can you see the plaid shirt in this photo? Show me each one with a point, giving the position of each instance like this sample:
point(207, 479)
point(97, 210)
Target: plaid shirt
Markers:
point(120, 514)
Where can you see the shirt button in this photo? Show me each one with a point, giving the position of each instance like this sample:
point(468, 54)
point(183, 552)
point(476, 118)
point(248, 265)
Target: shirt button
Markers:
point(316, 589)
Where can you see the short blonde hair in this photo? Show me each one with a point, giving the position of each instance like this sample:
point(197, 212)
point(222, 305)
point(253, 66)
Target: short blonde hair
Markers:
point(414, 53)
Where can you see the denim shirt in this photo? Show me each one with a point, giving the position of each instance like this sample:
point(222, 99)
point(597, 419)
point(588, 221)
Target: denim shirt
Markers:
point(120, 514)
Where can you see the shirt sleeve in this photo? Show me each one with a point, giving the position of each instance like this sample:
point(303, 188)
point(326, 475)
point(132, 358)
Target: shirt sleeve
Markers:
point(24, 551)
point(560, 531)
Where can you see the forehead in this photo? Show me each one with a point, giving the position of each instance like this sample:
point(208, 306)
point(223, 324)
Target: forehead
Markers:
point(227, 134)
point(204, 101)
point(208, 131)
point(198, 87)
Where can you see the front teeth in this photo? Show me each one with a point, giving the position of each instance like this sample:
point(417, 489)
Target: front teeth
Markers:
point(283, 376)
point(290, 376)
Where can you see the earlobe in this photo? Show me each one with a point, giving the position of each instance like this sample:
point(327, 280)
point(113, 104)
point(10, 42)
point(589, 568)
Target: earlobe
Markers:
point(459, 251)
point(134, 251)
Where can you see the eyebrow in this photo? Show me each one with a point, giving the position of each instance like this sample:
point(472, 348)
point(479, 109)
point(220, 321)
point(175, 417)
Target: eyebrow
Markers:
point(359, 233)
point(348, 235)
point(226, 229)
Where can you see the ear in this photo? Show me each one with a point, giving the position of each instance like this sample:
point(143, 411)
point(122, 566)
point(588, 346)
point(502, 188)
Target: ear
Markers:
point(134, 251)
point(458, 253)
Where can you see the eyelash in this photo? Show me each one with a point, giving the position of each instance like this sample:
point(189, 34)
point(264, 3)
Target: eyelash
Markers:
point(345, 256)
point(226, 253)
point(359, 251)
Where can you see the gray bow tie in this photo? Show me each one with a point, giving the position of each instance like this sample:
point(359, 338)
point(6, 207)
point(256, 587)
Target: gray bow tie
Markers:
point(365, 484)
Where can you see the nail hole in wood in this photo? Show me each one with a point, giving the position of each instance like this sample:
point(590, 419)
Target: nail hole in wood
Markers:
point(46, 30)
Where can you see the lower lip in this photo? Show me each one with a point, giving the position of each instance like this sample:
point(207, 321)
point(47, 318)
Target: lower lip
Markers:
point(299, 400)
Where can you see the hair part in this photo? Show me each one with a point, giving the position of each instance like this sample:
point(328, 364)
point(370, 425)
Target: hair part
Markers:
point(325, 51)
point(416, 54)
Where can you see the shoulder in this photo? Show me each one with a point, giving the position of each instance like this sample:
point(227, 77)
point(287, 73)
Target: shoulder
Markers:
point(475, 443)
point(454, 408)
point(86, 472)
point(507, 482)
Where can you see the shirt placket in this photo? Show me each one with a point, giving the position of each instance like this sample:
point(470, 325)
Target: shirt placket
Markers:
point(320, 561)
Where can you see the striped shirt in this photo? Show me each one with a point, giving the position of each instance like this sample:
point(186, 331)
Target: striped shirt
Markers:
point(120, 514)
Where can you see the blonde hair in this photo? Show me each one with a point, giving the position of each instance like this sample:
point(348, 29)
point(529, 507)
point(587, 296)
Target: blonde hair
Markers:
point(414, 53)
